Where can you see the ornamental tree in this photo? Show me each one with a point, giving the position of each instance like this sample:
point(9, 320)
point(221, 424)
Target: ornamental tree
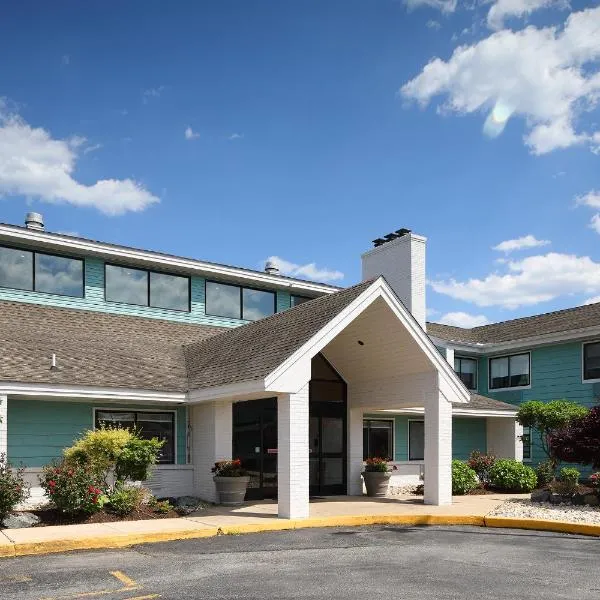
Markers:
point(547, 418)
point(579, 441)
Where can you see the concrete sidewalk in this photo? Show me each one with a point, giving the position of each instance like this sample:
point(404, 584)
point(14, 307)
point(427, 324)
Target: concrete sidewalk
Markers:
point(262, 516)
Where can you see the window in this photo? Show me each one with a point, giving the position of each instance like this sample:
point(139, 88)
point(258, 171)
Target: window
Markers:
point(146, 288)
point(378, 438)
point(509, 371)
point(296, 300)
point(160, 425)
point(416, 440)
point(225, 300)
point(466, 369)
point(35, 271)
point(591, 361)
point(526, 439)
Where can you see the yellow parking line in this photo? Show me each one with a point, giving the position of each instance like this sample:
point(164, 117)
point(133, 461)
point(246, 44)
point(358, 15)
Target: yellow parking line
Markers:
point(148, 597)
point(15, 579)
point(91, 594)
point(126, 581)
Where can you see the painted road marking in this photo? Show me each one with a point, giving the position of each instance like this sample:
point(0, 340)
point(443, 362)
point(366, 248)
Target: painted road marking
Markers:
point(126, 581)
point(148, 597)
point(129, 586)
point(15, 579)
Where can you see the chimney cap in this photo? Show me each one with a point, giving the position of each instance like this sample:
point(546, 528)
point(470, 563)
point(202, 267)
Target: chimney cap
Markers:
point(271, 268)
point(388, 237)
point(34, 220)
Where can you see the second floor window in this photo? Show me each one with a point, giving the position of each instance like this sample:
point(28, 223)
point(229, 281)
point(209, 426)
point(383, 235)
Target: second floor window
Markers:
point(146, 288)
point(41, 272)
point(510, 371)
point(591, 361)
point(466, 369)
point(235, 302)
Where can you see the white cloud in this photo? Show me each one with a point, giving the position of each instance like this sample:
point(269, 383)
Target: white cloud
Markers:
point(190, 134)
point(595, 223)
point(431, 312)
point(446, 6)
point(591, 199)
point(432, 24)
point(235, 136)
point(529, 281)
point(150, 93)
point(92, 148)
point(593, 300)
point(548, 76)
point(519, 9)
point(310, 270)
point(34, 164)
point(463, 319)
point(527, 241)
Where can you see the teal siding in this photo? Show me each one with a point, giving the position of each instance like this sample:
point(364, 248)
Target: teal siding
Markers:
point(94, 300)
point(39, 430)
point(468, 434)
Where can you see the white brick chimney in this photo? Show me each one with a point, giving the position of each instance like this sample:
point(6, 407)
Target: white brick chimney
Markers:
point(400, 258)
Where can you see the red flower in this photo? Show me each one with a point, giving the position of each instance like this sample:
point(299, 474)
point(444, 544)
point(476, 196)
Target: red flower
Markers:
point(52, 483)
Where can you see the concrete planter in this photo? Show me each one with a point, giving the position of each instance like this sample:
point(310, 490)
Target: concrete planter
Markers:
point(377, 483)
point(231, 490)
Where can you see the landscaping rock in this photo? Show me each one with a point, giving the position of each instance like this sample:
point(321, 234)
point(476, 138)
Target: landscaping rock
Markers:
point(540, 496)
point(20, 520)
point(188, 502)
point(578, 499)
point(591, 500)
point(555, 499)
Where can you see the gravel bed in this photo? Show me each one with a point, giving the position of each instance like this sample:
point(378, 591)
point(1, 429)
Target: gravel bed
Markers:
point(401, 490)
point(544, 510)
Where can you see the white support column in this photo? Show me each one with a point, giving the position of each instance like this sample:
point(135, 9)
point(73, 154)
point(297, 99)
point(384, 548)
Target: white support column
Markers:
point(212, 441)
point(449, 356)
point(4, 425)
point(355, 452)
point(292, 455)
point(438, 450)
point(504, 438)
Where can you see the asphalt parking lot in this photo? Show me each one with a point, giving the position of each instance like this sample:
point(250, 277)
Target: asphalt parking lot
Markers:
point(348, 563)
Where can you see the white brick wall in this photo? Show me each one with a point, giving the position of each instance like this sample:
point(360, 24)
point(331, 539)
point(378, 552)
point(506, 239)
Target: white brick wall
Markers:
point(211, 441)
point(355, 451)
point(292, 456)
point(402, 263)
point(438, 450)
point(3, 424)
point(504, 438)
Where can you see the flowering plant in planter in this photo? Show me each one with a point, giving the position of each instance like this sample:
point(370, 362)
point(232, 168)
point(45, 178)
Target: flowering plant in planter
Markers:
point(378, 465)
point(595, 480)
point(231, 481)
point(377, 475)
point(228, 468)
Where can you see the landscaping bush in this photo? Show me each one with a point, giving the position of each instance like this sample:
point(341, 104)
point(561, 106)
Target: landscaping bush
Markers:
point(74, 488)
point(123, 500)
point(544, 473)
point(595, 481)
point(233, 468)
point(570, 475)
point(137, 458)
point(508, 475)
point(481, 464)
point(13, 488)
point(160, 506)
point(464, 478)
point(579, 440)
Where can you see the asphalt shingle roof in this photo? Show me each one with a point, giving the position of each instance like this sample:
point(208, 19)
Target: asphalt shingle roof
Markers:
point(568, 319)
point(478, 402)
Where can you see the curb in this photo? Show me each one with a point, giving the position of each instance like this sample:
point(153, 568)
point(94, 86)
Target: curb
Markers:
point(10, 549)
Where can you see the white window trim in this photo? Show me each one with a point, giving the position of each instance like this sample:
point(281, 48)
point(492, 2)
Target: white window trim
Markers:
point(460, 356)
point(143, 409)
point(583, 379)
point(512, 388)
point(393, 421)
point(408, 458)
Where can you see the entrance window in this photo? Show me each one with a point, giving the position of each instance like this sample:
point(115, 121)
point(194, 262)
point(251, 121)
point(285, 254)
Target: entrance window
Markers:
point(378, 439)
point(416, 440)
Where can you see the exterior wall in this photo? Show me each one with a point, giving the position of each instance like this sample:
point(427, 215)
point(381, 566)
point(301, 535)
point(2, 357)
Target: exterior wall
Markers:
point(94, 300)
point(39, 429)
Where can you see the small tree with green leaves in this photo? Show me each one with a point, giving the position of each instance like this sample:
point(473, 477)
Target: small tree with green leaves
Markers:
point(548, 417)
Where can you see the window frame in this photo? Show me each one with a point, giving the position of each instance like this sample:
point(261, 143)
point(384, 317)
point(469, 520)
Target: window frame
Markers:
point(140, 410)
point(529, 445)
point(33, 262)
point(409, 459)
point(148, 271)
point(474, 389)
point(583, 379)
point(393, 430)
point(510, 387)
point(305, 298)
point(241, 289)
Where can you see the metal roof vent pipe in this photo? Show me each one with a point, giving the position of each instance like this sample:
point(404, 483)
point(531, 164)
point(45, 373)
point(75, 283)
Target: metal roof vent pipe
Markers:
point(271, 268)
point(34, 220)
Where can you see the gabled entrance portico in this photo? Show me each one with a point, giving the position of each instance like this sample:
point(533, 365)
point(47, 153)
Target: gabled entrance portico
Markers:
point(382, 354)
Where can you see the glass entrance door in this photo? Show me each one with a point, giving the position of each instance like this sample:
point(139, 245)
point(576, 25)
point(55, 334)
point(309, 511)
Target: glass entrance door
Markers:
point(255, 444)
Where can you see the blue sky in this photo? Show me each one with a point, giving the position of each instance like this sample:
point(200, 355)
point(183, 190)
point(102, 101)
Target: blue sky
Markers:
point(233, 131)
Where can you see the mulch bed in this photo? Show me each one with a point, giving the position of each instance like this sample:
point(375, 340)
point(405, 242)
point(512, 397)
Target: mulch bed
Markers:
point(51, 516)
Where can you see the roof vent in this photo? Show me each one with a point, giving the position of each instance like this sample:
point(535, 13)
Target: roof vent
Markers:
point(271, 268)
point(34, 220)
point(390, 236)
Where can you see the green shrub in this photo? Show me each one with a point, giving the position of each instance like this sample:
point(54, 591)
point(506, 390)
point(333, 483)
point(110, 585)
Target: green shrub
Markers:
point(570, 475)
point(544, 473)
point(13, 488)
point(569, 481)
point(74, 488)
point(464, 479)
point(160, 506)
point(508, 475)
point(123, 500)
point(481, 464)
point(137, 458)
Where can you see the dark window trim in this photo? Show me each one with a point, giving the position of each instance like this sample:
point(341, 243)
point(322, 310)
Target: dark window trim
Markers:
point(392, 420)
point(509, 356)
point(241, 289)
point(583, 367)
point(148, 271)
point(58, 255)
point(305, 298)
point(172, 412)
point(408, 439)
point(476, 369)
